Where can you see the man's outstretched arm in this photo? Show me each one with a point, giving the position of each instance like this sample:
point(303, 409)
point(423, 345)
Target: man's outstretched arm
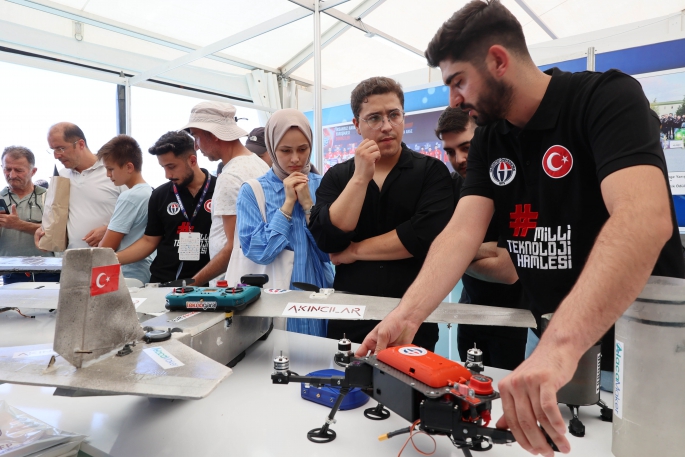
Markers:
point(449, 256)
point(139, 250)
point(617, 269)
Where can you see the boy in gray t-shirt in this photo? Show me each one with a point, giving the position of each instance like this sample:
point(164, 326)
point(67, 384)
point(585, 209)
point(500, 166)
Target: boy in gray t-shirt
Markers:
point(123, 161)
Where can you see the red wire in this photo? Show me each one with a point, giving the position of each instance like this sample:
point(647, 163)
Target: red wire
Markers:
point(14, 309)
point(411, 438)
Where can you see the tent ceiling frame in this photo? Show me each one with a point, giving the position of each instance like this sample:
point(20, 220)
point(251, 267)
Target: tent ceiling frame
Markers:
point(252, 32)
point(244, 35)
point(330, 35)
point(125, 29)
point(358, 24)
point(73, 14)
point(538, 20)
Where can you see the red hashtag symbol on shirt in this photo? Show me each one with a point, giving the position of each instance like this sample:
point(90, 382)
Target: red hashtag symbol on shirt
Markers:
point(523, 220)
point(186, 227)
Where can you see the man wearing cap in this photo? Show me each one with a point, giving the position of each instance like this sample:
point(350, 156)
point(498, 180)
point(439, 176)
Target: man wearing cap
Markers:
point(217, 135)
point(255, 143)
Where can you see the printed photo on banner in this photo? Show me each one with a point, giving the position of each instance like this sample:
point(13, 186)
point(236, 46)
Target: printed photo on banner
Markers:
point(665, 92)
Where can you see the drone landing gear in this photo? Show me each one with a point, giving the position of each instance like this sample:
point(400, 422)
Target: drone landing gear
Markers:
point(606, 413)
point(476, 444)
point(324, 434)
point(377, 413)
point(575, 426)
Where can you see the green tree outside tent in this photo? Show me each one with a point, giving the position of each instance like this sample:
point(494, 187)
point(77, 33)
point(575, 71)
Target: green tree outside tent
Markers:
point(681, 109)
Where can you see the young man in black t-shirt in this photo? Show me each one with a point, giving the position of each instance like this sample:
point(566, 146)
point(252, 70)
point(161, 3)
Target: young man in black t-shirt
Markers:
point(179, 213)
point(378, 213)
point(584, 209)
point(491, 279)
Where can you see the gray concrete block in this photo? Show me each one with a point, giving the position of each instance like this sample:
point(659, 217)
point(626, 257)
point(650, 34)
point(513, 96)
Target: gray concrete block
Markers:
point(90, 327)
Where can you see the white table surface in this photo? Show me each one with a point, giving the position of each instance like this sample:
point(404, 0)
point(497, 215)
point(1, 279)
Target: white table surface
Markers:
point(246, 415)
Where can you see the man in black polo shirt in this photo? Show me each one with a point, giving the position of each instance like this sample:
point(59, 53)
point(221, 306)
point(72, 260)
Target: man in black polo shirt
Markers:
point(378, 213)
point(491, 278)
point(179, 213)
point(585, 210)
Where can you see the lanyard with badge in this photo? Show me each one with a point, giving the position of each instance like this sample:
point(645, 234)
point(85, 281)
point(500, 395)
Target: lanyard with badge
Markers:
point(189, 243)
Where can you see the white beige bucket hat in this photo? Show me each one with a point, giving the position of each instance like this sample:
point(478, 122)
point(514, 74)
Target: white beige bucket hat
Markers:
point(217, 118)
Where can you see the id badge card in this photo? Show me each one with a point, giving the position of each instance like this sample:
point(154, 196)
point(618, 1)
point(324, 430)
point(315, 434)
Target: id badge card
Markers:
point(189, 246)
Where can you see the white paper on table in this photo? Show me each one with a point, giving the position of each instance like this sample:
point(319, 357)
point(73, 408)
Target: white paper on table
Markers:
point(324, 311)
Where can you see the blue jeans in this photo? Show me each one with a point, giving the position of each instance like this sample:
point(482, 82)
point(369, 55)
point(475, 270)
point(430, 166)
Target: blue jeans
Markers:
point(32, 277)
point(606, 382)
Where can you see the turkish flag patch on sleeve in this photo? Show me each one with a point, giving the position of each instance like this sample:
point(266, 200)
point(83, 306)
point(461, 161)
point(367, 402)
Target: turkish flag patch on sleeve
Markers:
point(104, 279)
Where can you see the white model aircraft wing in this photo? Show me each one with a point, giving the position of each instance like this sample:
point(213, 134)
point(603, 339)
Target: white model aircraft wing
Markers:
point(151, 300)
point(349, 306)
point(169, 369)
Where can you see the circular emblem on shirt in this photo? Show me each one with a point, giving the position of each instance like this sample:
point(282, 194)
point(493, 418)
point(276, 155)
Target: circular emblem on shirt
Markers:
point(208, 205)
point(173, 208)
point(557, 162)
point(412, 351)
point(502, 171)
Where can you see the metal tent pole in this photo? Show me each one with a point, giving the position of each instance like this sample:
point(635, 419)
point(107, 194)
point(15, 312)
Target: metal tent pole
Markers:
point(128, 108)
point(591, 58)
point(318, 131)
point(121, 109)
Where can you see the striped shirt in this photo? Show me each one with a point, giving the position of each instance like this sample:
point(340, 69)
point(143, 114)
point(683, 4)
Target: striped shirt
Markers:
point(262, 242)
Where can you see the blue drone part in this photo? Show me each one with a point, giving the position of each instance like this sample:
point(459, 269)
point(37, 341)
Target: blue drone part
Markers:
point(224, 299)
point(327, 395)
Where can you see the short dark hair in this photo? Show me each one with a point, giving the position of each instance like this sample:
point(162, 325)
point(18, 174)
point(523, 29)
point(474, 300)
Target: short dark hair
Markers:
point(73, 133)
point(17, 152)
point(121, 150)
point(374, 86)
point(453, 120)
point(180, 143)
point(472, 30)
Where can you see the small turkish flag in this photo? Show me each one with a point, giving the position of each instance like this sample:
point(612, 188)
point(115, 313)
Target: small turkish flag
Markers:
point(104, 279)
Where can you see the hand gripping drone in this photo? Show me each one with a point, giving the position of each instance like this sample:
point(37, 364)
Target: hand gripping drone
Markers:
point(437, 395)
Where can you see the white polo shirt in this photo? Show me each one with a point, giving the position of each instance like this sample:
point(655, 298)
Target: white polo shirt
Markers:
point(92, 198)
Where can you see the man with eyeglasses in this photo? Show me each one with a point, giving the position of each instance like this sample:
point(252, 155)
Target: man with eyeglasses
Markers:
point(92, 195)
point(25, 202)
point(378, 214)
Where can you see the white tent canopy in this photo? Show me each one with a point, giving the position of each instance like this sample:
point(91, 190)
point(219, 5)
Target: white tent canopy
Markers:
point(145, 37)
point(261, 53)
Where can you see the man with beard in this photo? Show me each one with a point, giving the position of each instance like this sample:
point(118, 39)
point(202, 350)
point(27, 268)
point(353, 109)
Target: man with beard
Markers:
point(377, 214)
point(491, 279)
point(217, 136)
point(179, 213)
point(584, 210)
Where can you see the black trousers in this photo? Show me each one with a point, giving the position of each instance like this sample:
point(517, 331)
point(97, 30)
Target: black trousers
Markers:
point(503, 347)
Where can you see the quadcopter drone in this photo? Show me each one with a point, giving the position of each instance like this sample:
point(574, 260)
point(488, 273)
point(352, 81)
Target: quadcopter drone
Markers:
point(437, 395)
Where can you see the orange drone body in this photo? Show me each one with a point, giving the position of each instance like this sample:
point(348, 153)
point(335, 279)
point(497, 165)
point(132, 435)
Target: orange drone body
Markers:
point(424, 366)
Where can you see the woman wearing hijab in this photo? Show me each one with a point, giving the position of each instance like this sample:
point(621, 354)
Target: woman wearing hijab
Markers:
point(289, 190)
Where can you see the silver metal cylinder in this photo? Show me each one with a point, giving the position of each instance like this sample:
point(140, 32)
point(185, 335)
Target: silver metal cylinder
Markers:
point(583, 388)
point(282, 364)
point(649, 369)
